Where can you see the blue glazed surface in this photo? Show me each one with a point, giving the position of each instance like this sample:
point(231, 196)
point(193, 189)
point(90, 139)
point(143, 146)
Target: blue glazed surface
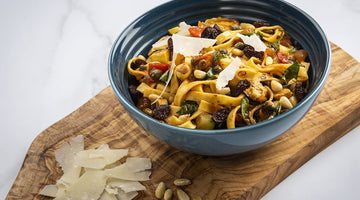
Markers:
point(138, 37)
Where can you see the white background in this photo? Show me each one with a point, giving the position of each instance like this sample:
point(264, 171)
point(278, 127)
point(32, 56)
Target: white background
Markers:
point(53, 58)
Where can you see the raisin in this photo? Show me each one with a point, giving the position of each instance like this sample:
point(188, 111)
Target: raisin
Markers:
point(249, 52)
point(239, 88)
point(134, 94)
point(299, 91)
point(137, 63)
point(211, 32)
point(261, 23)
point(220, 117)
point(161, 112)
point(286, 40)
point(143, 103)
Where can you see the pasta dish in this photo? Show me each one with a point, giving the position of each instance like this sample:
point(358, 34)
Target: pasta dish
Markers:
point(219, 74)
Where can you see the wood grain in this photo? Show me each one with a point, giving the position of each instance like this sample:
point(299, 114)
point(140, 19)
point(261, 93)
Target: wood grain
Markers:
point(246, 176)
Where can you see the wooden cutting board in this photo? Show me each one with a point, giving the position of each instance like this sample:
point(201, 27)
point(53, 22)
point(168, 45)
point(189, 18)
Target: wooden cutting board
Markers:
point(246, 176)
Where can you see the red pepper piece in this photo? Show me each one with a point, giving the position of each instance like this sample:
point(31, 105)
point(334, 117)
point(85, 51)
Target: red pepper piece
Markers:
point(195, 31)
point(162, 66)
point(283, 58)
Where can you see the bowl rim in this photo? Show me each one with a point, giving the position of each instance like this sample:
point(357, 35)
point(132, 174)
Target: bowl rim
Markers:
point(239, 130)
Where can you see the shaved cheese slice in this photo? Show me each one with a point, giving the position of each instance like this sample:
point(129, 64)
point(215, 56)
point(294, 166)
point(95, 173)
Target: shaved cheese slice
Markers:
point(126, 186)
point(254, 41)
point(123, 172)
point(49, 190)
point(65, 156)
point(89, 186)
point(228, 73)
point(126, 196)
point(190, 46)
point(94, 183)
point(183, 29)
point(108, 196)
point(162, 42)
point(99, 158)
point(138, 164)
point(77, 143)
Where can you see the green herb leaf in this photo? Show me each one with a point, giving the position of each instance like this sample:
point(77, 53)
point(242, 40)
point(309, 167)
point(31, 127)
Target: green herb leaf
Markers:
point(247, 34)
point(244, 106)
point(188, 107)
point(275, 45)
point(216, 57)
point(260, 34)
point(277, 109)
point(293, 50)
point(164, 76)
point(210, 74)
point(291, 72)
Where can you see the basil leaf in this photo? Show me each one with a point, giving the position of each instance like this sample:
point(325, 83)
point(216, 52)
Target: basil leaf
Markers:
point(247, 34)
point(277, 109)
point(275, 45)
point(210, 74)
point(244, 106)
point(291, 72)
point(188, 107)
point(164, 76)
point(216, 57)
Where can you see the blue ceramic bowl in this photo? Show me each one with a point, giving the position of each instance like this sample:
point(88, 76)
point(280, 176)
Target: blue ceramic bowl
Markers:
point(138, 37)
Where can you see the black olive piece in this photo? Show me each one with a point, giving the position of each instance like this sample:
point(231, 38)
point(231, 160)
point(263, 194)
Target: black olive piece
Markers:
point(161, 112)
point(134, 94)
point(137, 63)
point(261, 23)
point(239, 88)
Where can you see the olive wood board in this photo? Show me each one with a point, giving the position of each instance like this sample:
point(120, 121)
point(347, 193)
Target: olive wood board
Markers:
point(248, 175)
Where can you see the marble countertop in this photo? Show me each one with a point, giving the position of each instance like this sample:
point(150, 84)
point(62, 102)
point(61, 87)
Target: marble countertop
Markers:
point(54, 58)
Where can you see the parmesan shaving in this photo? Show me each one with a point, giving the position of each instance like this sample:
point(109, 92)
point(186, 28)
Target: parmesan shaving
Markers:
point(104, 177)
point(183, 29)
point(126, 186)
point(254, 41)
point(228, 73)
point(162, 42)
point(99, 158)
point(49, 190)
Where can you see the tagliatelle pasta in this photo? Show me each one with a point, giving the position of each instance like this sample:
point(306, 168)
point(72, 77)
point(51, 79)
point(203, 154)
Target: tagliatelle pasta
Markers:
point(220, 74)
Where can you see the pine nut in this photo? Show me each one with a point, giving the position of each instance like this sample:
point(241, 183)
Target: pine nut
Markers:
point(224, 90)
point(237, 52)
point(293, 100)
point(160, 190)
point(269, 60)
point(182, 182)
point(199, 74)
point(195, 197)
point(182, 195)
point(168, 194)
point(276, 86)
point(285, 103)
